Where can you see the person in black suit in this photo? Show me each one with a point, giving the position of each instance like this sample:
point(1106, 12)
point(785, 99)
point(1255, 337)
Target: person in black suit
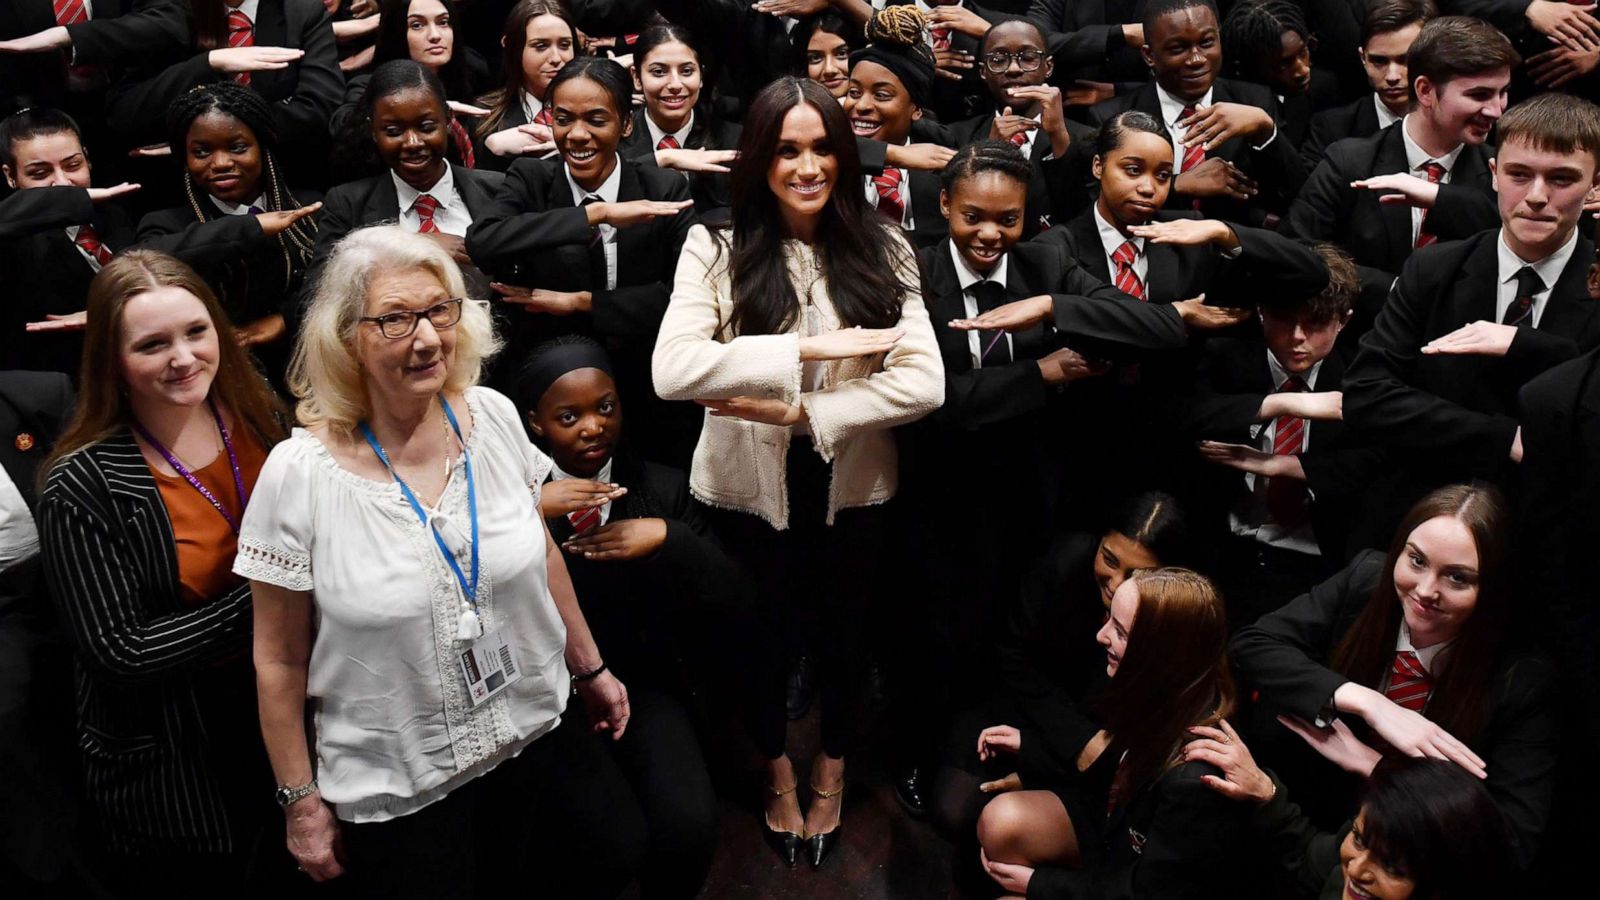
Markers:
point(242, 228)
point(1470, 322)
point(404, 136)
point(1098, 39)
point(1230, 161)
point(751, 47)
point(1268, 407)
point(37, 840)
point(540, 37)
point(1268, 42)
point(1411, 652)
point(57, 232)
point(646, 571)
point(679, 127)
point(1137, 819)
point(1434, 158)
point(588, 244)
point(1388, 31)
point(290, 61)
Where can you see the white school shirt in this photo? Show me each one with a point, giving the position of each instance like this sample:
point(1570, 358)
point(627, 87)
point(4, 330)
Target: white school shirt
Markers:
point(968, 278)
point(72, 235)
point(19, 538)
point(608, 233)
point(451, 216)
point(1253, 519)
point(1111, 240)
point(906, 220)
point(1416, 161)
point(1548, 269)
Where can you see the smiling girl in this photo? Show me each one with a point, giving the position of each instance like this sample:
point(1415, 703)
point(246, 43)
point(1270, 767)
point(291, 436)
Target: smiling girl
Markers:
point(540, 37)
point(678, 126)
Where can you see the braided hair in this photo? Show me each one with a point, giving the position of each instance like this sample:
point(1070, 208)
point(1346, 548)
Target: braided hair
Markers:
point(245, 105)
point(985, 156)
point(1252, 35)
point(901, 26)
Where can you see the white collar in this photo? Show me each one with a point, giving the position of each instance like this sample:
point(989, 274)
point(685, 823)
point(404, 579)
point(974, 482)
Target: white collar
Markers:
point(1416, 156)
point(238, 209)
point(248, 7)
point(968, 277)
point(1385, 117)
point(1280, 375)
point(1110, 238)
point(443, 190)
point(531, 105)
point(1426, 657)
point(603, 476)
point(1172, 107)
point(1549, 269)
point(607, 191)
point(656, 134)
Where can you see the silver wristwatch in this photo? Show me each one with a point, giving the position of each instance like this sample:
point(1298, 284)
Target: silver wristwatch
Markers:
point(288, 796)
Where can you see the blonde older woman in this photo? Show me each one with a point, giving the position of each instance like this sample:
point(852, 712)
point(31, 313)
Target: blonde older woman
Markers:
point(406, 585)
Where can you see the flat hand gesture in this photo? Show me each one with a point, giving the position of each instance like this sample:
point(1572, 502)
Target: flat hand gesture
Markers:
point(922, 157)
point(264, 330)
point(849, 343)
point(685, 159)
point(1408, 190)
point(539, 300)
point(796, 8)
point(1088, 93)
point(1183, 232)
point(628, 213)
point(1018, 315)
point(77, 321)
point(1241, 778)
point(1010, 782)
point(958, 19)
point(1200, 317)
point(1221, 122)
point(1480, 338)
point(1573, 27)
point(1215, 177)
point(1239, 456)
point(1337, 744)
point(754, 409)
point(619, 539)
point(1415, 735)
point(101, 195)
point(997, 738)
point(466, 109)
point(606, 701)
point(569, 495)
point(521, 141)
point(236, 60)
point(313, 837)
point(276, 223)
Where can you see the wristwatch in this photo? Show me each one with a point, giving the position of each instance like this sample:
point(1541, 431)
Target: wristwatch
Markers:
point(288, 796)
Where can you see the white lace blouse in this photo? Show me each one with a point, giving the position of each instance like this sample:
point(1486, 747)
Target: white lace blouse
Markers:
point(394, 730)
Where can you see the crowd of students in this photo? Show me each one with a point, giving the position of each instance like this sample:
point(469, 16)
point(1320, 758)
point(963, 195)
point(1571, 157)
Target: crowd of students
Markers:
point(1164, 424)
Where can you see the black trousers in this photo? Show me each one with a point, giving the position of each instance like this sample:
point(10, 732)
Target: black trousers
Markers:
point(815, 577)
point(559, 820)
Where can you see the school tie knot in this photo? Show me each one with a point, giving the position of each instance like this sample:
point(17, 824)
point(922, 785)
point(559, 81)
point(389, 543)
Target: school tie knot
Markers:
point(543, 117)
point(1019, 138)
point(241, 33)
point(668, 142)
point(941, 38)
point(1529, 285)
point(1192, 156)
point(890, 201)
point(90, 241)
point(1433, 171)
point(1409, 682)
point(426, 205)
point(1126, 276)
point(584, 520)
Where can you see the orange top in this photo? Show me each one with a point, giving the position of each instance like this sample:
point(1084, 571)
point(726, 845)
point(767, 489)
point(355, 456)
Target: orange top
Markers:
point(206, 543)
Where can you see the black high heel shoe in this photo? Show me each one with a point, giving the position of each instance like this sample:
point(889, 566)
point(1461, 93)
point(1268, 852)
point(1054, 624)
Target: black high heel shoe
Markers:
point(818, 845)
point(785, 843)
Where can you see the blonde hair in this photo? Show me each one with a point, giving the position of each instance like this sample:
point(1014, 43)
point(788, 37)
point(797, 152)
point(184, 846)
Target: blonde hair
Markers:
point(324, 375)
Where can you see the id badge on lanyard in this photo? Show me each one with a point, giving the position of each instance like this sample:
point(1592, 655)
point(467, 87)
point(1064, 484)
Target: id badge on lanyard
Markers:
point(489, 665)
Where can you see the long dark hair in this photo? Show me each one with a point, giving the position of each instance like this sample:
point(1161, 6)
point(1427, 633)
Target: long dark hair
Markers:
point(705, 106)
point(1434, 823)
point(355, 153)
point(512, 39)
point(102, 407)
point(1155, 521)
point(860, 256)
point(1173, 674)
point(1460, 699)
point(391, 44)
point(830, 21)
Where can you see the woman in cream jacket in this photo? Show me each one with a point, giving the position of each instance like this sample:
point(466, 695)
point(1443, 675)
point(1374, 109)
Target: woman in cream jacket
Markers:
point(801, 329)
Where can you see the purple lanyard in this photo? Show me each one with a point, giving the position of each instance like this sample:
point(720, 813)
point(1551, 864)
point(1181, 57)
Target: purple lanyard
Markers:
point(181, 469)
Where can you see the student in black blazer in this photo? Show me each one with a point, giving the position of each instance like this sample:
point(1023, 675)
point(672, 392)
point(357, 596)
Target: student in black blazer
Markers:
point(602, 268)
point(38, 842)
point(1097, 39)
point(1435, 157)
point(751, 47)
point(57, 232)
point(403, 134)
point(679, 127)
point(301, 95)
point(1139, 820)
point(243, 229)
point(1267, 405)
point(1470, 322)
point(1269, 43)
point(538, 39)
point(1388, 31)
point(650, 578)
point(1001, 390)
point(1413, 648)
point(1242, 171)
point(140, 565)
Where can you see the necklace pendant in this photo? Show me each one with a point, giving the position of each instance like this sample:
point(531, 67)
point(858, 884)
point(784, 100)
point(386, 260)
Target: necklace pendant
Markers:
point(469, 627)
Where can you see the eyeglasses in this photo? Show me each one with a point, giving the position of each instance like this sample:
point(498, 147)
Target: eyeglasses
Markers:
point(999, 60)
point(397, 325)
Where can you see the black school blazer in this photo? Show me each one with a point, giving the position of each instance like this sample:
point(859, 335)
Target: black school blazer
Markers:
point(712, 191)
point(1285, 655)
point(111, 563)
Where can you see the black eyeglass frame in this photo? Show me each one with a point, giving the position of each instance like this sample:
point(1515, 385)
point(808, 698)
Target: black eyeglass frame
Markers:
point(452, 308)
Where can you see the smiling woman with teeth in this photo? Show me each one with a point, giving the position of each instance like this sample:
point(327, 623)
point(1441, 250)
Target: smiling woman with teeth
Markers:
point(800, 327)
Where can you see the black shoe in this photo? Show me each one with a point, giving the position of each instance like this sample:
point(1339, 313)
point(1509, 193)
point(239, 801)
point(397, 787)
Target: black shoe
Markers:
point(802, 688)
point(908, 789)
point(786, 843)
point(818, 845)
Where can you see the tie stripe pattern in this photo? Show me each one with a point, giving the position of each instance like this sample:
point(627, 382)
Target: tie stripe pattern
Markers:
point(890, 203)
point(1019, 138)
point(1192, 156)
point(241, 33)
point(1286, 497)
point(70, 12)
point(1127, 278)
point(668, 142)
point(941, 38)
point(458, 133)
point(426, 206)
point(543, 118)
point(1520, 312)
point(92, 245)
point(1434, 173)
point(1409, 683)
point(584, 520)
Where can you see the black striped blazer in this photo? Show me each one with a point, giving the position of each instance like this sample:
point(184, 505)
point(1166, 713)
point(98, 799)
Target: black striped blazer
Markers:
point(142, 656)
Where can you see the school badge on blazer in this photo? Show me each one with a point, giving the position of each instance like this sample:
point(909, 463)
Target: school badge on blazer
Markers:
point(24, 442)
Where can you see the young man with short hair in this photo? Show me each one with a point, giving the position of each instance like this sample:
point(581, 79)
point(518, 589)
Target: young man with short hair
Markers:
point(1390, 28)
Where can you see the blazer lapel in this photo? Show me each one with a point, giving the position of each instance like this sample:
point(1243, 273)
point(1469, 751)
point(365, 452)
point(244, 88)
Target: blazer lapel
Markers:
point(474, 193)
point(1366, 119)
point(1472, 169)
point(946, 302)
point(1391, 158)
point(272, 30)
point(631, 242)
point(1161, 276)
point(1569, 309)
point(1086, 239)
point(1475, 287)
point(1022, 283)
point(383, 202)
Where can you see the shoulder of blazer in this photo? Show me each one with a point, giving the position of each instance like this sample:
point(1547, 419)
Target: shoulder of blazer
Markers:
point(1366, 569)
point(167, 221)
point(656, 183)
point(1226, 90)
point(476, 185)
point(1043, 265)
point(37, 395)
point(1439, 264)
point(93, 478)
point(1357, 154)
point(541, 175)
point(1556, 393)
point(353, 197)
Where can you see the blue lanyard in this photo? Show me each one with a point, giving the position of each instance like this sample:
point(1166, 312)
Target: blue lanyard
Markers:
point(469, 587)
